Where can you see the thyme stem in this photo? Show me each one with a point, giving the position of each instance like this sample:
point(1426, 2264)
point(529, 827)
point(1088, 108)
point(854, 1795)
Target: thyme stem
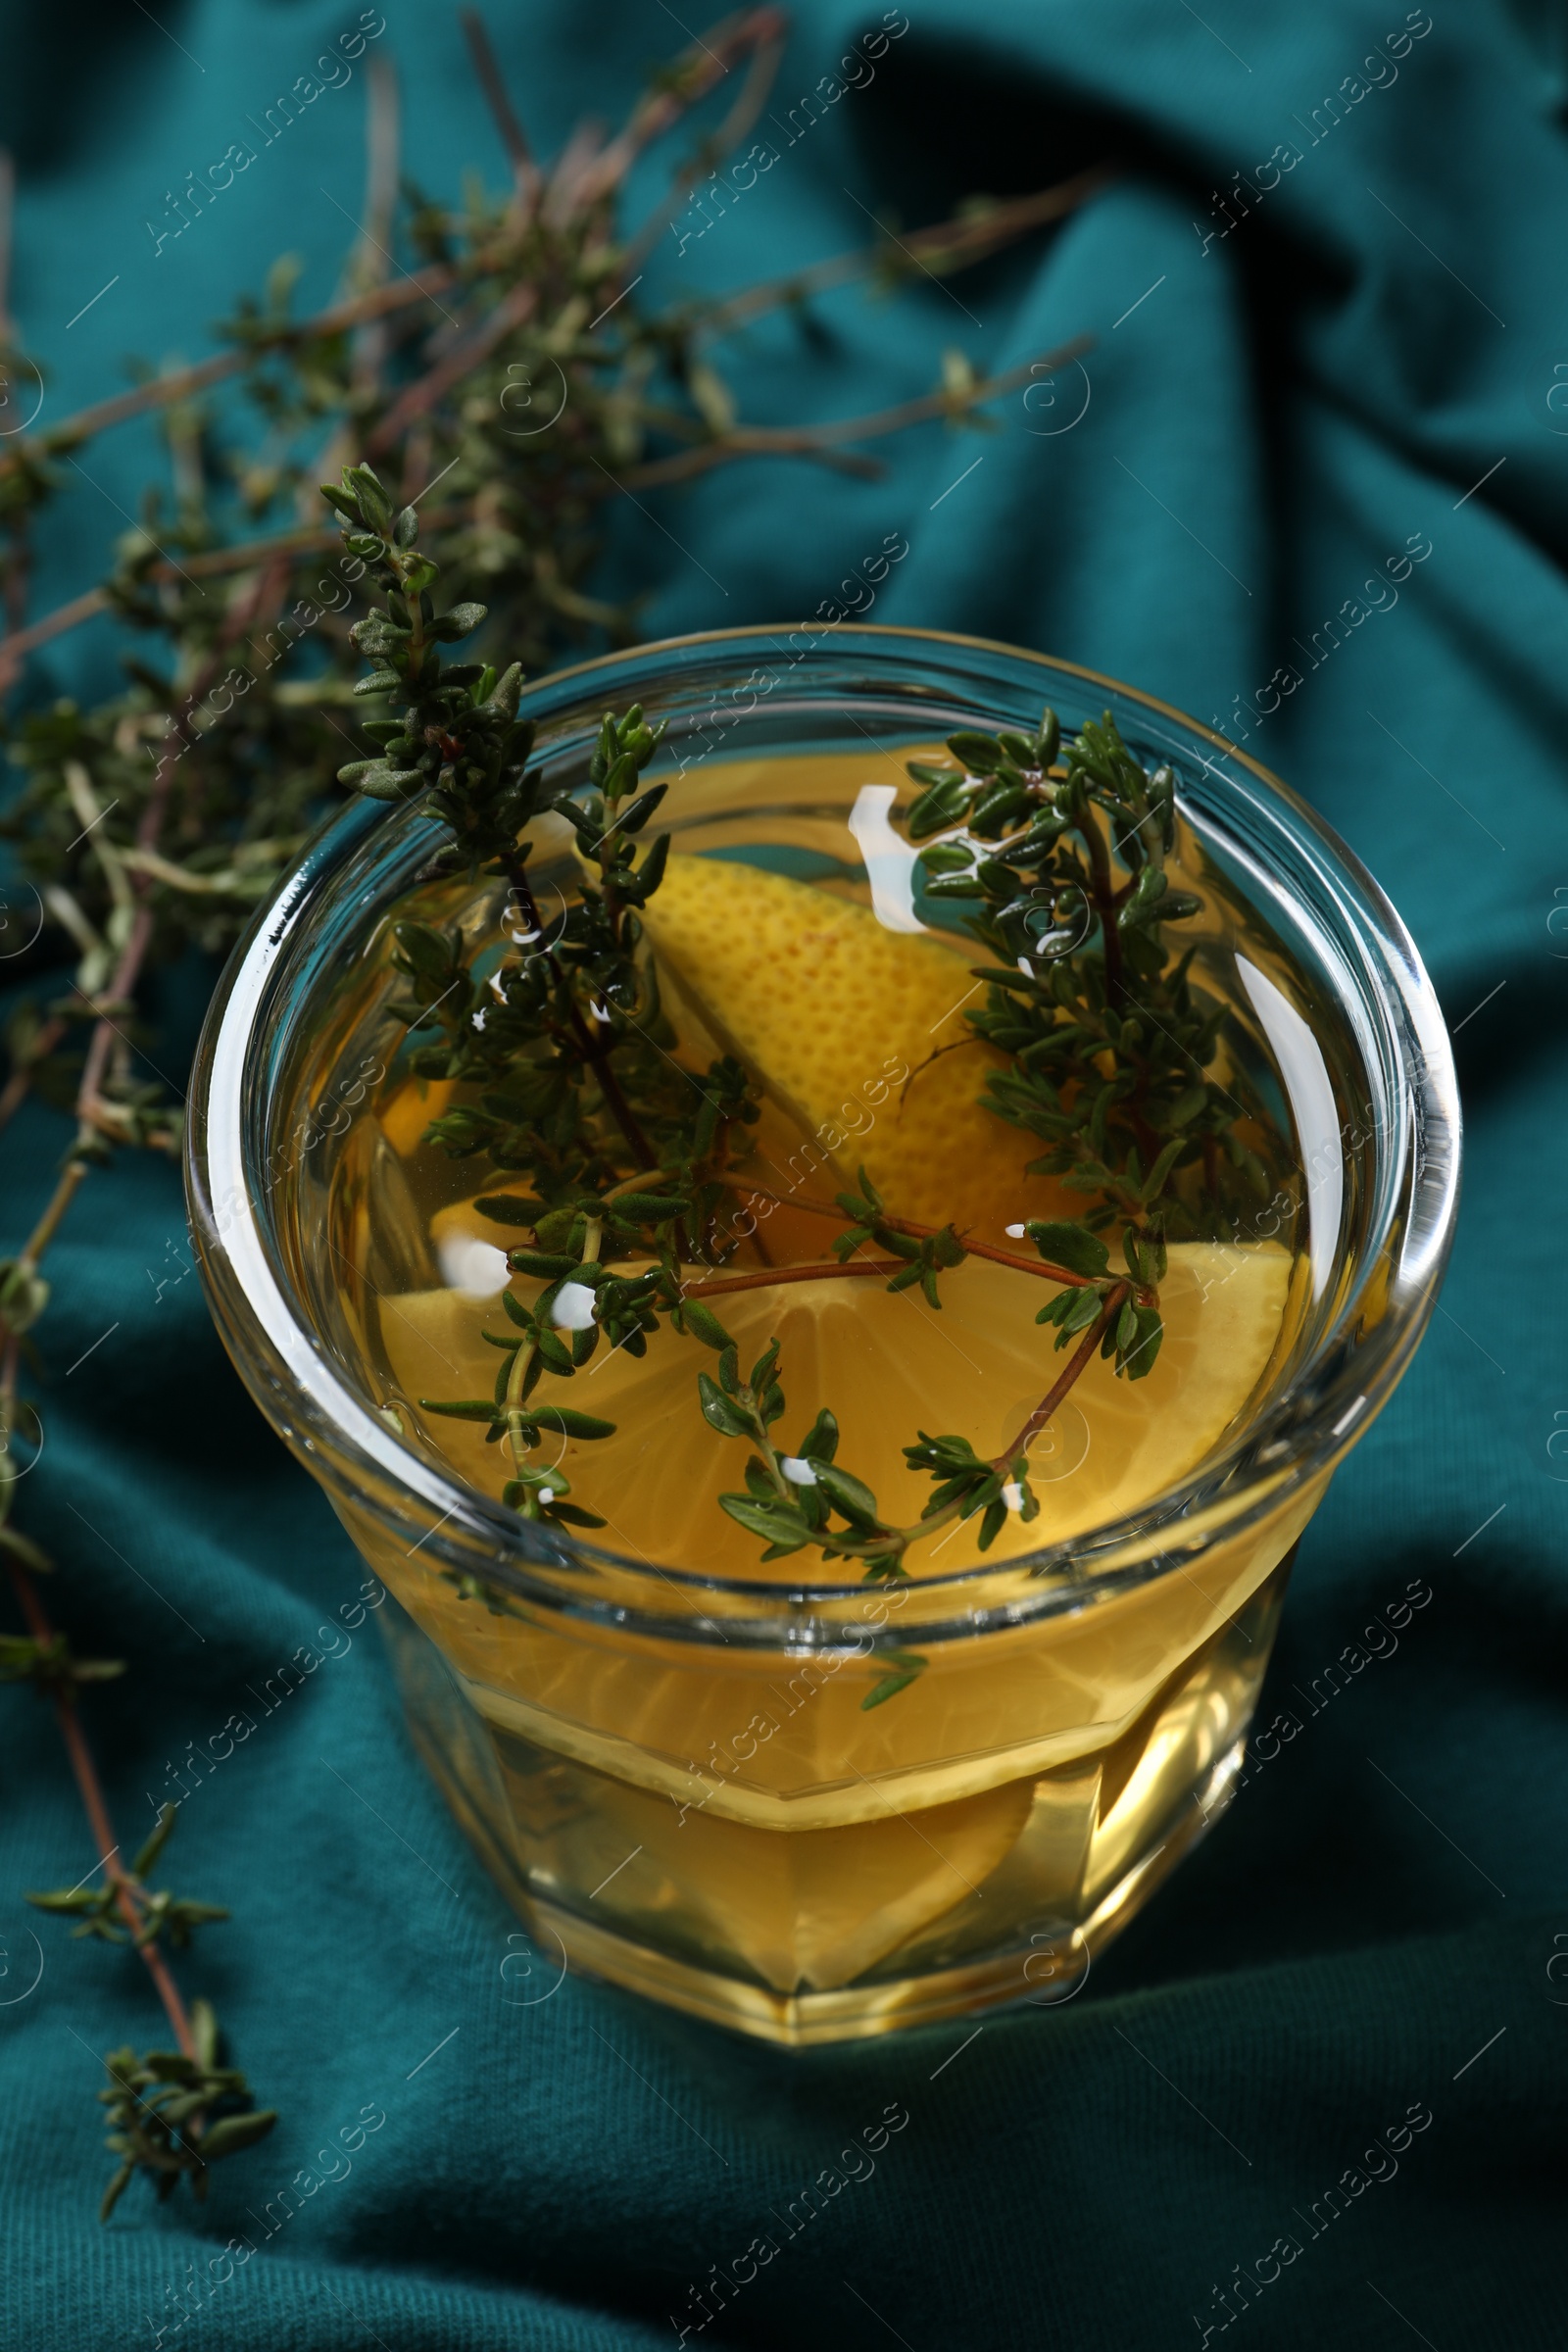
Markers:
point(890, 1547)
point(1105, 907)
point(823, 440)
point(96, 1808)
point(926, 1233)
point(949, 244)
point(43, 1233)
point(1114, 1301)
point(591, 1046)
point(765, 1277)
point(513, 1406)
point(515, 139)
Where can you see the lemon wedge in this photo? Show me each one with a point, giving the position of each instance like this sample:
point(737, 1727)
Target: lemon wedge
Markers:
point(837, 1013)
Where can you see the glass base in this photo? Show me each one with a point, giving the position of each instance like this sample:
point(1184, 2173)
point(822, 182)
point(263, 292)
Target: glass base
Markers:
point(522, 1811)
point(1053, 1964)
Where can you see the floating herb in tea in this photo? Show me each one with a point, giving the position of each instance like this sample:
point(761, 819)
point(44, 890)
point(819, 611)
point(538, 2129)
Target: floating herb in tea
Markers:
point(560, 1064)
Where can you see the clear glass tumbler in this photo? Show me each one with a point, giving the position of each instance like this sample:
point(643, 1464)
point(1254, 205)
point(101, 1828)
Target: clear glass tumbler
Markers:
point(674, 1775)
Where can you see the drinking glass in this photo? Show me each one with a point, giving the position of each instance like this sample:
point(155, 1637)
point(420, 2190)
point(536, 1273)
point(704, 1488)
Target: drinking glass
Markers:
point(673, 1774)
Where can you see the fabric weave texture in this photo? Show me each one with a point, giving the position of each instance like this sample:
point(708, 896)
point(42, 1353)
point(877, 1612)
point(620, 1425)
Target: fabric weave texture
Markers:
point(1299, 373)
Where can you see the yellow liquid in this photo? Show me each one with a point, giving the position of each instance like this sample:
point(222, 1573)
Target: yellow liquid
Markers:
point(729, 1827)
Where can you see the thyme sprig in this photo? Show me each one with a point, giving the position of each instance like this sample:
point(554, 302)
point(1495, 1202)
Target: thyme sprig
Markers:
point(565, 1043)
point(172, 2112)
point(95, 1908)
point(1062, 853)
point(154, 821)
point(791, 1500)
point(1110, 1043)
point(176, 2113)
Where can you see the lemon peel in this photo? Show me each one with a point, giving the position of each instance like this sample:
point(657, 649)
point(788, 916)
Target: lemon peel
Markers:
point(859, 1032)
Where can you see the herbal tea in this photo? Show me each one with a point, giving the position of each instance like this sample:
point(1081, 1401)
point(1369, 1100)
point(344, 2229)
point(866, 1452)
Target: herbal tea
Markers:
point(874, 1232)
point(875, 1170)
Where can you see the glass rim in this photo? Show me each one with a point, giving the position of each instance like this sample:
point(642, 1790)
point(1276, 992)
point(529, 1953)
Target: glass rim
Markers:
point(1281, 1448)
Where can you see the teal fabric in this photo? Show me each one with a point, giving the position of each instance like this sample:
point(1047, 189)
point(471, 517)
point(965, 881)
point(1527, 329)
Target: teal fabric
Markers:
point(1364, 358)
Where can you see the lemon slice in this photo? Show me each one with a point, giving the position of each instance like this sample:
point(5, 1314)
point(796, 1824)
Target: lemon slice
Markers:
point(836, 1012)
point(887, 1366)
